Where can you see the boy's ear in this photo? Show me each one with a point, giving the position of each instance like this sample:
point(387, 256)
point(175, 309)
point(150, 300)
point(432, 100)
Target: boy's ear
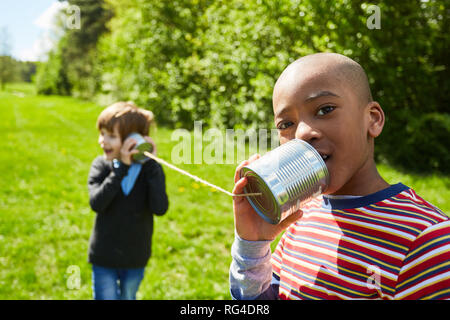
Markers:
point(375, 119)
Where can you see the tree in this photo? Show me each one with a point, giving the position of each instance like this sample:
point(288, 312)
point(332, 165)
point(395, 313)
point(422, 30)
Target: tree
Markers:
point(71, 66)
point(7, 63)
point(79, 55)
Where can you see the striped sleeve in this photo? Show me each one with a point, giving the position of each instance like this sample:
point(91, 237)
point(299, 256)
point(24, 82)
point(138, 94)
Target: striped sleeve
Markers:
point(277, 260)
point(425, 273)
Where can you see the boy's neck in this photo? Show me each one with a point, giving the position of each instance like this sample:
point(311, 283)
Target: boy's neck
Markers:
point(366, 181)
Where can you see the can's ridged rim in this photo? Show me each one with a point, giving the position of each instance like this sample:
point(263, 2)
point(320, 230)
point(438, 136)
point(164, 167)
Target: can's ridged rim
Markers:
point(322, 162)
point(269, 208)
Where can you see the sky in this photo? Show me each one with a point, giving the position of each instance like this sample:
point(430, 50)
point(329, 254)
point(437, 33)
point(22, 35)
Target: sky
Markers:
point(29, 26)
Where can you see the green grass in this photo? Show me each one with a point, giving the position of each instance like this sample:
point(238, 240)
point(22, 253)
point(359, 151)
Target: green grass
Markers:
point(47, 145)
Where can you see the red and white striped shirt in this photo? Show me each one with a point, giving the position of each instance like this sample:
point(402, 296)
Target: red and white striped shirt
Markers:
point(389, 245)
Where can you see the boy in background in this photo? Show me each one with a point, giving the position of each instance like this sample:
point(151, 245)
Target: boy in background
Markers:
point(362, 239)
point(125, 195)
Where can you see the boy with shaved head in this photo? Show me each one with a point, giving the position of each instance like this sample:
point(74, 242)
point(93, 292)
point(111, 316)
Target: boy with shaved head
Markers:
point(363, 238)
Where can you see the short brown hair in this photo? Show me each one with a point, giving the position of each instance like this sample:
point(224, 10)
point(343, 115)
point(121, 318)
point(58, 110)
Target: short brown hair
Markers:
point(129, 118)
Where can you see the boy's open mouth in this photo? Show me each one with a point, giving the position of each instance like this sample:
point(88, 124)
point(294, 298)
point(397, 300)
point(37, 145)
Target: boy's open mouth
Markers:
point(107, 151)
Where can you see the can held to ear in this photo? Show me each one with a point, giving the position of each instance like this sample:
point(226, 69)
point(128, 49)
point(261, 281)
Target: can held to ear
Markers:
point(286, 177)
point(141, 145)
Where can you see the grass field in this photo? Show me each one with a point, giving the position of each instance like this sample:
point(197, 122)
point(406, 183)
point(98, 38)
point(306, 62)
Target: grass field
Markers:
point(47, 145)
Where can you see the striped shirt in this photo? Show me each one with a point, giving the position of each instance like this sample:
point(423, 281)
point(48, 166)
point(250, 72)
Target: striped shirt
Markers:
point(389, 245)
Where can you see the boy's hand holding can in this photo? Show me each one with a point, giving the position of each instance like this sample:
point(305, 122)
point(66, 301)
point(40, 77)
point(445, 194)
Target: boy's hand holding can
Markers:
point(127, 150)
point(248, 224)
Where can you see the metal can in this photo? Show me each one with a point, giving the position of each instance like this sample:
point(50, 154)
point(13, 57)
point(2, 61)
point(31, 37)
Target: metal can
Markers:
point(141, 145)
point(286, 177)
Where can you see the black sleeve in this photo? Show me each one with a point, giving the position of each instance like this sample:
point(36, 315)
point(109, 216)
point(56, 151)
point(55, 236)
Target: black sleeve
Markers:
point(155, 178)
point(104, 183)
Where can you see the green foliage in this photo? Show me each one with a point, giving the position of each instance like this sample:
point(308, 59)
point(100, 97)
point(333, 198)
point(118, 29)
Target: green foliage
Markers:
point(71, 68)
point(80, 51)
point(428, 136)
point(51, 77)
point(12, 70)
point(142, 59)
point(26, 70)
point(217, 61)
point(7, 70)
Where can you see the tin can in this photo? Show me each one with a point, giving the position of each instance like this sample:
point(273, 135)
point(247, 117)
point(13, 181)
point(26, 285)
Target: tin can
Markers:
point(286, 177)
point(141, 145)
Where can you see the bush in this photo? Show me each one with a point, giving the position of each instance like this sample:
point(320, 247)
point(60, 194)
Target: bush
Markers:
point(51, 77)
point(217, 61)
point(424, 145)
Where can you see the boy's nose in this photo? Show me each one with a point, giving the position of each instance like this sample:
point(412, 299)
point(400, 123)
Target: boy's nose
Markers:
point(306, 132)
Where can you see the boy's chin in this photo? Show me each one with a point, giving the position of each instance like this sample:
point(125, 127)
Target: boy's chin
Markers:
point(332, 187)
point(108, 157)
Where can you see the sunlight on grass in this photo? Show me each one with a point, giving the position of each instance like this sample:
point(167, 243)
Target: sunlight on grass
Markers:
point(48, 144)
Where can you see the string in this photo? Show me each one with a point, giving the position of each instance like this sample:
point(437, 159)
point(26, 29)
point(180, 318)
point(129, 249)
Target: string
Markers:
point(150, 155)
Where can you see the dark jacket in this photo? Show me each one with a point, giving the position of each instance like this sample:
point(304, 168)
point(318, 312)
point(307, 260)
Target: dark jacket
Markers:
point(123, 228)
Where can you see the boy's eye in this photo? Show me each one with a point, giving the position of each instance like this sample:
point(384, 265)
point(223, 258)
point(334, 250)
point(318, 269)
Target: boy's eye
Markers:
point(285, 125)
point(325, 109)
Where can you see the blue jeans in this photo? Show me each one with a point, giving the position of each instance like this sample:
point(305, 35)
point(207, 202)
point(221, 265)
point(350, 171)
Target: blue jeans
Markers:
point(116, 284)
